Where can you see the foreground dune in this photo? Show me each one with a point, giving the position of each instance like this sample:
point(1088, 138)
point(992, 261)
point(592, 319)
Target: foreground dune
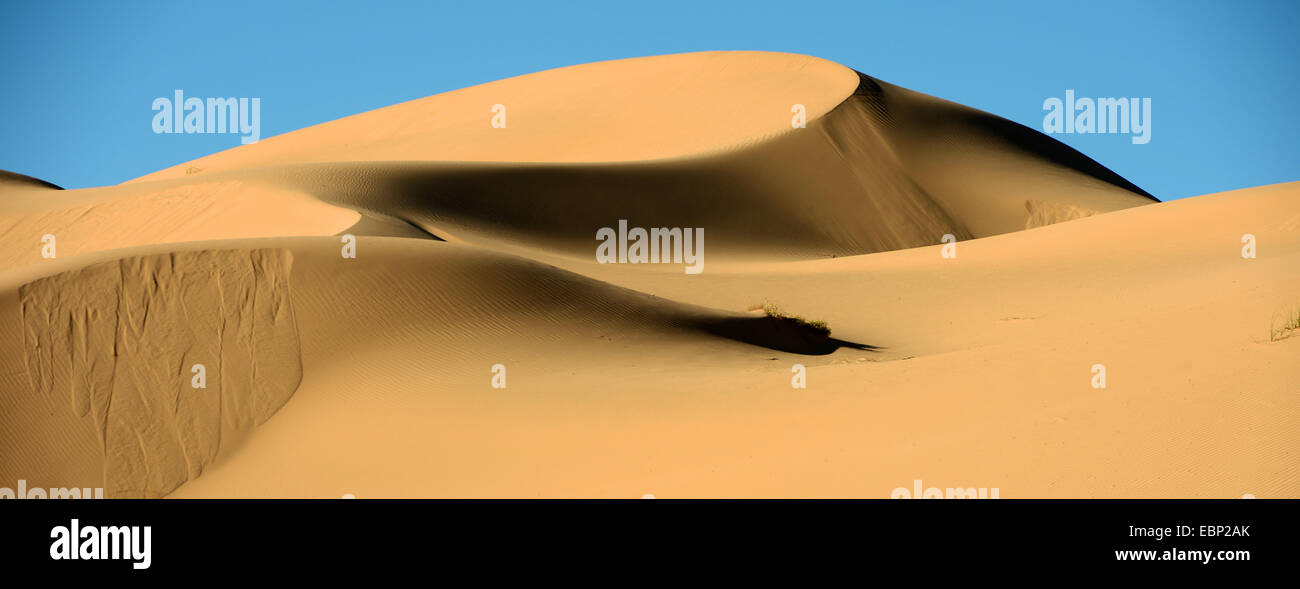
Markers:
point(372, 376)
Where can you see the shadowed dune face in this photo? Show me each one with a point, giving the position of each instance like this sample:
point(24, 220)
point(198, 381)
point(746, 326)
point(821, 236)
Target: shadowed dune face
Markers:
point(996, 175)
point(19, 181)
point(893, 105)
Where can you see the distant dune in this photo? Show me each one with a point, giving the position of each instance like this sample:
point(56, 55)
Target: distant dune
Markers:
point(475, 250)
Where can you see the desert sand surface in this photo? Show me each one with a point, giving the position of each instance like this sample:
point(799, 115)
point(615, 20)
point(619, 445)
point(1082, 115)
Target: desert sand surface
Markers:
point(373, 375)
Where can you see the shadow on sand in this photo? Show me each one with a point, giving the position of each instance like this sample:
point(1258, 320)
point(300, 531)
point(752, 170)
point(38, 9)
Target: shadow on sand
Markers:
point(781, 334)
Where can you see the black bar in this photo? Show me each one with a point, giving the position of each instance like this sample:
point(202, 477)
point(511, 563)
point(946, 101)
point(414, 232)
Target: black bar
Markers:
point(300, 536)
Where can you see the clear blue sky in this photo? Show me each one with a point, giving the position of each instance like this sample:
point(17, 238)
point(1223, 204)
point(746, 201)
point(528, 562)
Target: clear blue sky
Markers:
point(79, 78)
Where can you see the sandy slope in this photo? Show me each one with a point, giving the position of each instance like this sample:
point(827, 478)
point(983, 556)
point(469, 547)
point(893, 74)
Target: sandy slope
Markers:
point(625, 110)
point(475, 249)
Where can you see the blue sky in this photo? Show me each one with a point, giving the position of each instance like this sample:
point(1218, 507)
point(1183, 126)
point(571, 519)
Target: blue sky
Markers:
point(79, 78)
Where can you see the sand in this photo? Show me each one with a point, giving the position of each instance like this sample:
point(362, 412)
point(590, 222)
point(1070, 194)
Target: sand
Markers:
point(373, 376)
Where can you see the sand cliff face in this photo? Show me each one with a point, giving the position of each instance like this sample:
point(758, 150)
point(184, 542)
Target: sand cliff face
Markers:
point(431, 251)
point(166, 355)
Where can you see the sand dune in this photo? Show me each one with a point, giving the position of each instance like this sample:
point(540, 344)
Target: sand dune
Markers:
point(373, 375)
point(702, 140)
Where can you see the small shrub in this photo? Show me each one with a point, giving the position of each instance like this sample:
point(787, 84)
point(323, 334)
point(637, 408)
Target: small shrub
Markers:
point(1289, 324)
point(817, 326)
